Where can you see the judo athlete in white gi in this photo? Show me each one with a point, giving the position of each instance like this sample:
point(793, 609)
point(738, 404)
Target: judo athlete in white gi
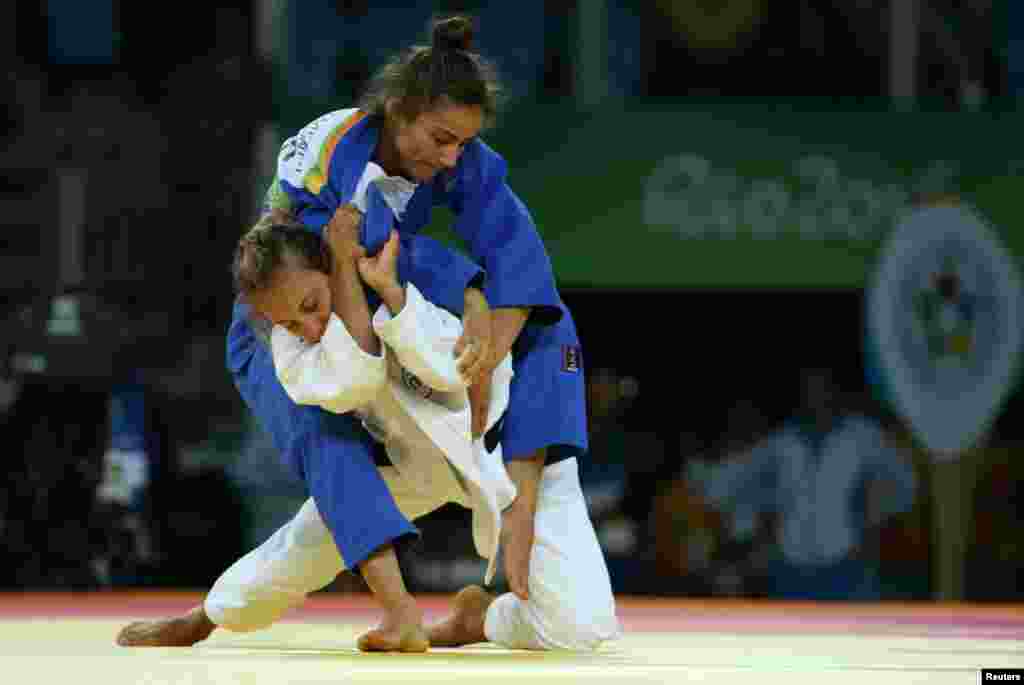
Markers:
point(412, 398)
point(423, 408)
point(420, 122)
point(286, 274)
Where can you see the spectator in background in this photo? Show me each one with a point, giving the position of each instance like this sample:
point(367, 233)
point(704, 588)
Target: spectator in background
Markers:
point(270, 493)
point(995, 559)
point(603, 477)
point(818, 473)
point(124, 493)
point(22, 100)
point(55, 431)
point(617, 478)
point(748, 540)
point(701, 551)
point(194, 420)
point(10, 389)
point(901, 542)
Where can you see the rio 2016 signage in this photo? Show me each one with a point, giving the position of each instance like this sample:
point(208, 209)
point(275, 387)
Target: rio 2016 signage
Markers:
point(695, 195)
point(813, 200)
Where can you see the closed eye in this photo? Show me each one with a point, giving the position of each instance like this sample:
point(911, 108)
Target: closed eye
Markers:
point(446, 140)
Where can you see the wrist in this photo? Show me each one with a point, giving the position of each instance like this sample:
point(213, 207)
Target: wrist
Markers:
point(526, 474)
point(393, 296)
point(345, 265)
point(487, 367)
point(474, 298)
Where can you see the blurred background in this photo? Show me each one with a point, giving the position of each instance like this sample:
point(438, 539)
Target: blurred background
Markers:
point(716, 182)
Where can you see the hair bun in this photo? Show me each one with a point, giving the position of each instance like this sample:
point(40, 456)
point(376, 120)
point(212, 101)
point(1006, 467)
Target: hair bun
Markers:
point(455, 33)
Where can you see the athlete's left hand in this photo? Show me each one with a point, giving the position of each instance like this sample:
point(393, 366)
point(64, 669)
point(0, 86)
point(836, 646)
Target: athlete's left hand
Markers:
point(342, 233)
point(473, 348)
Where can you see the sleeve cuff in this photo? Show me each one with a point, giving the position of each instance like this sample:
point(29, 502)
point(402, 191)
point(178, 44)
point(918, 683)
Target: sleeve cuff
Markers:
point(478, 281)
point(394, 329)
point(339, 343)
point(422, 338)
point(545, 305)
point(335, 373)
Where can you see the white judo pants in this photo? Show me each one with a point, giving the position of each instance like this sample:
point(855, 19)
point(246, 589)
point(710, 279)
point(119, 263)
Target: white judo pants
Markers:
point(570, 607)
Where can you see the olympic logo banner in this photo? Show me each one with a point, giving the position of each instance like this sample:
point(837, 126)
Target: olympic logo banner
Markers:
point(944, 314)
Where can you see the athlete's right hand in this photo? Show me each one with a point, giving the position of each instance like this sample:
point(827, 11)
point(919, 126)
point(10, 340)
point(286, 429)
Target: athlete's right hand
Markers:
point(342, 233)
point(473, 348)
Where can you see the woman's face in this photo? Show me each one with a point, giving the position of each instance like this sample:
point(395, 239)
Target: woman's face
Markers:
point(434, 140)
point(298, 299)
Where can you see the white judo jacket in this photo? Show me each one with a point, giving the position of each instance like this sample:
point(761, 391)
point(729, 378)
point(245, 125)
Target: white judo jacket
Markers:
point(414, 401)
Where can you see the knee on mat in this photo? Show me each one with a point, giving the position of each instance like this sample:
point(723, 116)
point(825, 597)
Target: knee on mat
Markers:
point(584, 628)
point(249, 620)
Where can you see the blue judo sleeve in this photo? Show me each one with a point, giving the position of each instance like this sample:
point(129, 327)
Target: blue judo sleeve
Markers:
point(547, 406)
point(333, 453)
point(500, 234)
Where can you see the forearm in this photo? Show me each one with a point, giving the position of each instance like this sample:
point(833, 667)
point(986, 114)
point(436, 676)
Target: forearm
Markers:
point(349, 303)
point(506, 325)
point(497, 331)
point(525, 473)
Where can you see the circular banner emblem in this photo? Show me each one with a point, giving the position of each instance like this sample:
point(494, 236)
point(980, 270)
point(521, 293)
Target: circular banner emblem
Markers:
point(944, 313)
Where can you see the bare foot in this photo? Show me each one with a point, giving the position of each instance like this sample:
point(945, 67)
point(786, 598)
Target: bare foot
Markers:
point(400, 631)
point(180, 631)
point(466, 624)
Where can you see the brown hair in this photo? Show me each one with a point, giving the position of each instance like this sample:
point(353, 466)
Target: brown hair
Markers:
point(268, 246)
point(448, 68)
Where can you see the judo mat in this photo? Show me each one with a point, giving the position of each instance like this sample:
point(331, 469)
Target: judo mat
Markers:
point(69, 638)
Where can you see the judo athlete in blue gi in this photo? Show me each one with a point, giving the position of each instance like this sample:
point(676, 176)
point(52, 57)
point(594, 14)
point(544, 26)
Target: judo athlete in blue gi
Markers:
point(418, 128)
